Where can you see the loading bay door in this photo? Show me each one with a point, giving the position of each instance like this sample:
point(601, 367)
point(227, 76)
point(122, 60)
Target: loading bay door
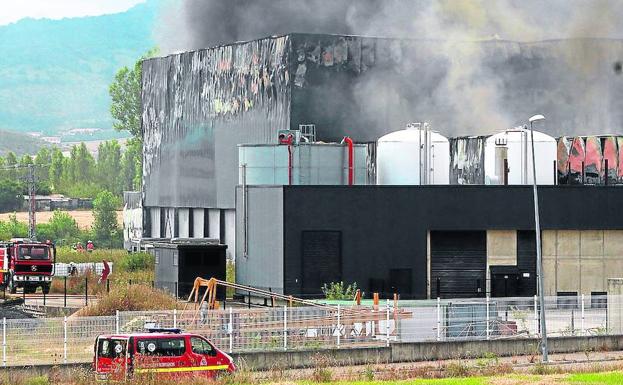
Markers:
point(458, 264)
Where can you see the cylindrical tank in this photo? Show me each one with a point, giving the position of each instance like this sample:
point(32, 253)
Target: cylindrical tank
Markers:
point(508, 154)
point(403, 156)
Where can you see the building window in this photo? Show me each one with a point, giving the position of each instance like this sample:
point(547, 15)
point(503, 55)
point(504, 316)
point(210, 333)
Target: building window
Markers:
point(176, 258)
point(599, 300)
point(567, 300)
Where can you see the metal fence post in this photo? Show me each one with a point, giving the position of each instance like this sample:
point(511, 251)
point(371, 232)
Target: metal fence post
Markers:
point(65, 339)
point(582, 309)
point(230, 329)
point(174, 318)
point(86, 291)
point(387, 325)
point(4, 341)
point(488, 331)
point(285, 327)
point(117, 321)
point(438, 319)
point(536, 318)
point(339, 329)
point(65, 292)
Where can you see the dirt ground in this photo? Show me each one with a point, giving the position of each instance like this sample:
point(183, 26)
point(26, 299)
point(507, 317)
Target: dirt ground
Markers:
point(84, 218)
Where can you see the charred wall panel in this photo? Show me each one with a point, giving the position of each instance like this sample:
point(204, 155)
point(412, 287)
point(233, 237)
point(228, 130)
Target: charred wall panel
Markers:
point(197, 106)
point(467, 160)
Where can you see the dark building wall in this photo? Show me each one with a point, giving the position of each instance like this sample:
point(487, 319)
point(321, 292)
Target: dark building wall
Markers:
point(386, 227)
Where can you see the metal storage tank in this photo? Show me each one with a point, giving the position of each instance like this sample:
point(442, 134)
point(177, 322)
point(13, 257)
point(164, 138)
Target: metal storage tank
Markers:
point(302, 164)
point(508, 155)
point(402, 156)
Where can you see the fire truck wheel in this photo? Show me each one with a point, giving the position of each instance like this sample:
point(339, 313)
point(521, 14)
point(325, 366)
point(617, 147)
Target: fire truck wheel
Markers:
point(45, 289)
point(12, 287)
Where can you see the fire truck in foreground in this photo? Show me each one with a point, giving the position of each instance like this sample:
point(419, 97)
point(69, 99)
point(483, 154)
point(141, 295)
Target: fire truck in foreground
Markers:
point(27, 264)
point(164, 353)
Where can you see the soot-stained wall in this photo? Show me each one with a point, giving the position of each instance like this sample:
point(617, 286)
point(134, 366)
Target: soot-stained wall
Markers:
point(385, 227)
point(197, 106)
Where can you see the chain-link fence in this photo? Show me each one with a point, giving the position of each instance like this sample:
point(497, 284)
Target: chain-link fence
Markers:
point(60, 340)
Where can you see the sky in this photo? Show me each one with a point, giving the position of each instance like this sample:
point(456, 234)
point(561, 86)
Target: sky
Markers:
point(14, 10)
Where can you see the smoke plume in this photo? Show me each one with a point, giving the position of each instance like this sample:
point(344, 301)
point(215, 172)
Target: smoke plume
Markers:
point(483, 65)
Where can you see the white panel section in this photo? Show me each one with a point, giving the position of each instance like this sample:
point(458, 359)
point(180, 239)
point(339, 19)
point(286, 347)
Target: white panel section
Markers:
point(198, 220)
point(262, 267)
point(214, 217)
point(154, 212)
point(184, 222)
point(169, 222)
point(230, 233)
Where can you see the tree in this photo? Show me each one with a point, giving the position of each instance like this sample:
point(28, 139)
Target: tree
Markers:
point(10, 161)
point(125, 92)
point(13, 229)
point(81, 164)
point(10, 195)
point(132, 165)
point(108, 166)
point(62, 228)
point(105, 227)
point(57, 165)
point(25, 160)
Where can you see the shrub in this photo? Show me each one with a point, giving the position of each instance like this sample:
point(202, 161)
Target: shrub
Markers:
point(136, 261)
point(337, 291)
point(39, 380)
point(457, 369)
point(130, 298)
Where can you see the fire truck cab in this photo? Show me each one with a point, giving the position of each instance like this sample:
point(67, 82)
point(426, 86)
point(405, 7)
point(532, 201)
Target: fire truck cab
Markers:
point(165, 353)
point(27, 264)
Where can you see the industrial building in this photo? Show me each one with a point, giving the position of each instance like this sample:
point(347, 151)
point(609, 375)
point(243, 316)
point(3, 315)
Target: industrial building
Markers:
point(299, 153)
point(429, 241)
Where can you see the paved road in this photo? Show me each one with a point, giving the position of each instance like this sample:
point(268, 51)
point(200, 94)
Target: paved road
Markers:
point(58, 300)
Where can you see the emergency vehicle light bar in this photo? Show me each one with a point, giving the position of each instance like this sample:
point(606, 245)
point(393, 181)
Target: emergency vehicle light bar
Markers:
point(164, 330)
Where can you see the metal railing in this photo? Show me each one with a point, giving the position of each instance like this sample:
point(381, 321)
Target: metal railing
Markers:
point(71, 339)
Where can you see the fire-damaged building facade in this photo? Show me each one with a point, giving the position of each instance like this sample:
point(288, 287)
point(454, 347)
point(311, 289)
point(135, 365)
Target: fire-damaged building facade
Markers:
point(272, 148)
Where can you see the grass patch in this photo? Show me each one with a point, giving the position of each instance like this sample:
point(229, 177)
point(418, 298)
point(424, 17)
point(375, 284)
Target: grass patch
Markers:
point(608, 378)
point(129, 298)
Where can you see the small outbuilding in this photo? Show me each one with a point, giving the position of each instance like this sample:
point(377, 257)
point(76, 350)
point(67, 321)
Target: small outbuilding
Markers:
point(179, 261)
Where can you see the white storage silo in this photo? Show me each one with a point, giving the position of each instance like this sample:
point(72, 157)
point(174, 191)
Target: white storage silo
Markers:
point(402, 156)
point(515, 146)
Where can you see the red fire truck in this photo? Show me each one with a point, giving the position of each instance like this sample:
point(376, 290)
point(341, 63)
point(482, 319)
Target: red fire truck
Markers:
point(27, 264)
point(165, 353)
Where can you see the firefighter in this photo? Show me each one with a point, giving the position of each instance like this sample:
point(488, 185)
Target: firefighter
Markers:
point(203, 311)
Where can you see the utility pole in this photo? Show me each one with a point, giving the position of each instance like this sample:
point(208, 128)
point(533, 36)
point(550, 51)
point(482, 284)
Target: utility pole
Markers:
point(32, 203)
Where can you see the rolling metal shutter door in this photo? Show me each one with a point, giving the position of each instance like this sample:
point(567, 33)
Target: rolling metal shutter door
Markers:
point(322, 260)
point(458, 263)
point(526, 262)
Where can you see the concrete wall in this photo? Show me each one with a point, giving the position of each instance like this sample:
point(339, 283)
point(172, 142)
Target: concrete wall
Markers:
point(408, 352)
point(581, 260)
point(615, 305)
point(501, 250)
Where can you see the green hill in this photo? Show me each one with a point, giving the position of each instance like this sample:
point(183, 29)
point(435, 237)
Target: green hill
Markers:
point(20, 144)
point(54, 74)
